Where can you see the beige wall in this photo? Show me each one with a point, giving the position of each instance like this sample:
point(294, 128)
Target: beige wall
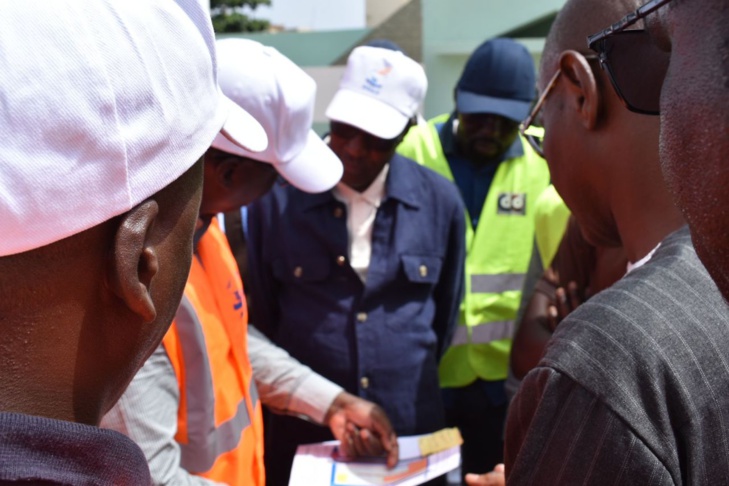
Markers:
point(380, 10)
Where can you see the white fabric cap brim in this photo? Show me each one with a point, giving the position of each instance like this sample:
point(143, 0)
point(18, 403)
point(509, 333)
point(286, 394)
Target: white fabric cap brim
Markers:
point(366, 113)
point(314, 169)
point(241, 128)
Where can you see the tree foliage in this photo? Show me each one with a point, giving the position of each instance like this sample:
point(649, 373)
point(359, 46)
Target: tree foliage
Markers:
point(228, 17)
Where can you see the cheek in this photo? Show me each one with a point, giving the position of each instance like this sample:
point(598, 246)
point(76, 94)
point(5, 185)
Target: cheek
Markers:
point(558, 166)
point(694, 142)
point(175, 260)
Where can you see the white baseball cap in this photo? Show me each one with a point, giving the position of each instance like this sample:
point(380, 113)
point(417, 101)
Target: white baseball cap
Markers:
point(102, 104)
point(380, 91)
point(280, 95)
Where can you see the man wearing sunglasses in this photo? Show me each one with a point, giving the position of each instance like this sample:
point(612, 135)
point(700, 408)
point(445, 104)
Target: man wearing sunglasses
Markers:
point(499, 177)
point(694, 115)
point(362, 283)
point(632, 388)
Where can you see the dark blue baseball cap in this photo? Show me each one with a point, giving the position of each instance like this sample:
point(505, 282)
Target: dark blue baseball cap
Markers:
point(498, 78)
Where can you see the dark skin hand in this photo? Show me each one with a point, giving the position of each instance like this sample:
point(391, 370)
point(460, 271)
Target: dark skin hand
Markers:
point(497, 477)
point(578, 271)
point(362, 428)
point(565, 301)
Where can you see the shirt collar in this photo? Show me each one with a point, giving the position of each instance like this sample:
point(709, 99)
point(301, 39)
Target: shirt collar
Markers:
point(632, 266)
point(374, 194)
point(448, 140)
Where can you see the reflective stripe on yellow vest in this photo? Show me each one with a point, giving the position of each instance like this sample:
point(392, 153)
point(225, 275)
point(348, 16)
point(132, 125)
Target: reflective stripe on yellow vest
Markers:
point(498, 254)
point(220, 429)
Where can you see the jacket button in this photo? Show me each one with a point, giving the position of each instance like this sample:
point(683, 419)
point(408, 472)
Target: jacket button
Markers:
point(338, 212)
point(423, 271)
point(341, 260)
point(298, 272)
point(364, 382)
point(362, 316)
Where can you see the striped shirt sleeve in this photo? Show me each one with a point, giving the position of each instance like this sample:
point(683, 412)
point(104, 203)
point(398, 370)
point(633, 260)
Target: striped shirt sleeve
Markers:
point(558, 433)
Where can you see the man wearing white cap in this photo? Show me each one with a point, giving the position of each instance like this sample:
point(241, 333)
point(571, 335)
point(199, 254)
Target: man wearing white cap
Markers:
point(106, 109)
point(362, 283)
point(194, 407)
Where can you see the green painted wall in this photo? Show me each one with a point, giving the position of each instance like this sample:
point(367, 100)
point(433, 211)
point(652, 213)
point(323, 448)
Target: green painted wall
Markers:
point(453, 28)
point(309, 48)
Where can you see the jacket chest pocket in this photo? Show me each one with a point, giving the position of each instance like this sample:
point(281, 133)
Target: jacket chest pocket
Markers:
point(304, 269)
point(421, 269)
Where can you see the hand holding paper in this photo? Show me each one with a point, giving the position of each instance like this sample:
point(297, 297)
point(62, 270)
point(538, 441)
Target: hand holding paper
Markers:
point(362, 428)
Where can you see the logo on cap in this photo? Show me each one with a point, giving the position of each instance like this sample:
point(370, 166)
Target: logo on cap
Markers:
point(512, 203)
point(374, 82)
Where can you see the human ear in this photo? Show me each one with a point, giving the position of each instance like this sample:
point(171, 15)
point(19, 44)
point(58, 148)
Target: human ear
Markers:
point(134, 261)
point(582, 85)
point(228, 171)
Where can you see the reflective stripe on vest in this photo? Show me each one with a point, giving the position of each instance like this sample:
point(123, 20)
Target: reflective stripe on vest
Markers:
point(206, 442)
point(496, 284)
point(483, 333)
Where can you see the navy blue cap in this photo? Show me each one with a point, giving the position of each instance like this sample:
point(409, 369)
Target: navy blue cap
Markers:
point(498, 78)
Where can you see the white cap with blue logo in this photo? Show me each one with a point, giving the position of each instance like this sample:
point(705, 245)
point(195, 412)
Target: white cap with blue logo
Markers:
point(380, 91)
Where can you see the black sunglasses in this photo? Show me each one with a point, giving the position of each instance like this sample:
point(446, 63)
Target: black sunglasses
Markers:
point(635, 65)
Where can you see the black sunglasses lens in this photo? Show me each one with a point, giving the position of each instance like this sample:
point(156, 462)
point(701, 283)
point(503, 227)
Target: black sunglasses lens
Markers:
point(637, 68)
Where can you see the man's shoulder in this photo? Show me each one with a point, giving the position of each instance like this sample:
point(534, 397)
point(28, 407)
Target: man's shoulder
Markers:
point(669, 296)
point(665, 322)
point(652, 348)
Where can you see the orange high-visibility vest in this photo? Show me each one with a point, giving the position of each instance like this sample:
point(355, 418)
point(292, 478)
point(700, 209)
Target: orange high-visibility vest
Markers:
point(219, 422)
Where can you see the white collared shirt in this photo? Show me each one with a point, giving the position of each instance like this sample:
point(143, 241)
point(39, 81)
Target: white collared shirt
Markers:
point(642, 261)
point(361, 211)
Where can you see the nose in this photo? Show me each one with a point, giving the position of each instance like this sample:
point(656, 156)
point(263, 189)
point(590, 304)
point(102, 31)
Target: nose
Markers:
point(355, 146)
point(492, 126)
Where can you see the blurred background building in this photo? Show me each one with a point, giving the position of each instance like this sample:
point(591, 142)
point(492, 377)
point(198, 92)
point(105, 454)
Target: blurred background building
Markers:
point(319, 34)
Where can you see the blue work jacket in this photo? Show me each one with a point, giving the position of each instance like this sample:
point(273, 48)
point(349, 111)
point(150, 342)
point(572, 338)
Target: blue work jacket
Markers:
point(381, 340)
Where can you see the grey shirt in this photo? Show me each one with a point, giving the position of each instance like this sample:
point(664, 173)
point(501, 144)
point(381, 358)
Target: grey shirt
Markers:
point(147, 412)
point(634, 385)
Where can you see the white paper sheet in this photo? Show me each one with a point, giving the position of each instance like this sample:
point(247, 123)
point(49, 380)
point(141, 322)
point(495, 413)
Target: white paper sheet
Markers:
point(320, 465)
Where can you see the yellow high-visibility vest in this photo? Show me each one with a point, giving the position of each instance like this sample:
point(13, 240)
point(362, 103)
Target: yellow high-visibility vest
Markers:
point(498, 252)
point(550, 223)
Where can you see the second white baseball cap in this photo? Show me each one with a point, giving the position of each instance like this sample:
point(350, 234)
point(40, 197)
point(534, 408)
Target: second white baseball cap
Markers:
point(380, 91)
point(280, 95)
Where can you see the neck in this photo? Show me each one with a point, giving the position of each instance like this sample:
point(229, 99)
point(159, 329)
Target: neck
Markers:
point(43, 367)
point(644, 211)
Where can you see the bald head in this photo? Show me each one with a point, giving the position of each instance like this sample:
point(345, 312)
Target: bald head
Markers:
point(577, 20)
